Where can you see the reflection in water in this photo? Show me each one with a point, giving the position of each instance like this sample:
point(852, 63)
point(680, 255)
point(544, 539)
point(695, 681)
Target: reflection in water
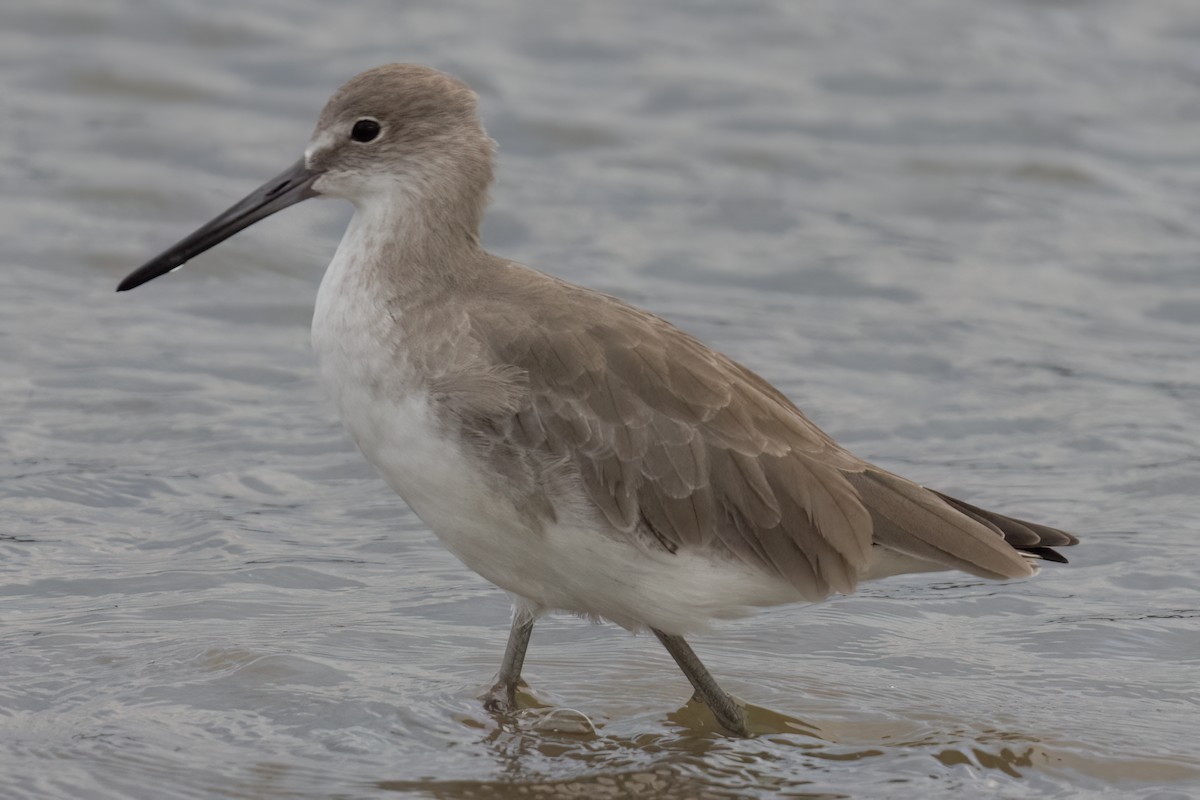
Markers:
point(691, 761)
point(693, 758)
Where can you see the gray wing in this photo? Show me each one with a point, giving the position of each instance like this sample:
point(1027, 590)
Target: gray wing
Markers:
point(675, 440)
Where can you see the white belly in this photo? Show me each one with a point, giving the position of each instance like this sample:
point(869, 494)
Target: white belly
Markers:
point(571, 565)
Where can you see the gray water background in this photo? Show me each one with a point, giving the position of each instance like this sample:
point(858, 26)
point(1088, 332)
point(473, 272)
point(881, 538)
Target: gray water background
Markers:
point(961, 235)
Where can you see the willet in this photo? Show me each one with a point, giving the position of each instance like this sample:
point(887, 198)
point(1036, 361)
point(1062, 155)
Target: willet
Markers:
point(582, 454)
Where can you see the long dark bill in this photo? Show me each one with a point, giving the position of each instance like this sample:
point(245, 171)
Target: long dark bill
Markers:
point(285, 189)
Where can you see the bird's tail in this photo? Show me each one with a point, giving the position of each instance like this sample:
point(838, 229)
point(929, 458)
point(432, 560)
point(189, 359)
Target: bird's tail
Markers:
point(933, 527)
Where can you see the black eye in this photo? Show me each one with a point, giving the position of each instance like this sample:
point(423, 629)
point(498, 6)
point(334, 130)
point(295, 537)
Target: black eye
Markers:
point(365, 130)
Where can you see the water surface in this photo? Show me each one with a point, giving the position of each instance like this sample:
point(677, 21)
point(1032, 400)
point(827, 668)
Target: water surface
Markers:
point(961, 235)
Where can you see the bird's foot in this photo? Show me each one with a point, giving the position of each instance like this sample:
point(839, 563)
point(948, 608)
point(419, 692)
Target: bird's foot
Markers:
point(730, 713)
point(529, 713)
point(502, 698)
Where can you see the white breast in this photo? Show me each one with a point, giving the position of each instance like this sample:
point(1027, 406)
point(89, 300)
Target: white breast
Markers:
point(383, 402)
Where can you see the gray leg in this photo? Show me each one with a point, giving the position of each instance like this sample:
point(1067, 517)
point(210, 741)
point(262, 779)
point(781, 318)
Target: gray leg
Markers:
point(727, 710)
point(503, 696)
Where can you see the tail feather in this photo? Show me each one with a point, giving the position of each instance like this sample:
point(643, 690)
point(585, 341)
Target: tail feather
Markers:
point(928, 525)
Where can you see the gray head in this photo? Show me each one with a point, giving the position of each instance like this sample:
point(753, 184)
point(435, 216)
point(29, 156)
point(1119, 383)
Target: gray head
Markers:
point(401, 127)
point(404, 137)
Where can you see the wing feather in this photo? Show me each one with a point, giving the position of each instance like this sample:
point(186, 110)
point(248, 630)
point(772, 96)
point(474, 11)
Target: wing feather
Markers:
point(672, 439)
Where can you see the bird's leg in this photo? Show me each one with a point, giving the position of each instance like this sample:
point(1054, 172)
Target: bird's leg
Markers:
point(728, 711)
point(503, 695)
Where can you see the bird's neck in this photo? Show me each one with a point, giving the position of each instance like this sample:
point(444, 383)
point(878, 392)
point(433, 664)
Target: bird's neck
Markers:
point(407, 246)
point(389, 287)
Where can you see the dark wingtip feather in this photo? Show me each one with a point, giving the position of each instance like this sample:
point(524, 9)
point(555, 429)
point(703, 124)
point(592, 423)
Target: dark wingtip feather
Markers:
point(1046, 554)
point(1028, 537)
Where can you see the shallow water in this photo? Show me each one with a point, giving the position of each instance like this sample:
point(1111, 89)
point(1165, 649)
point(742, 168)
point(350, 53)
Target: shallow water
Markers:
point(961, 235)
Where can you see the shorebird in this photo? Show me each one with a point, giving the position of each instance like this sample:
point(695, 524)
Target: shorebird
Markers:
point(582, 454)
